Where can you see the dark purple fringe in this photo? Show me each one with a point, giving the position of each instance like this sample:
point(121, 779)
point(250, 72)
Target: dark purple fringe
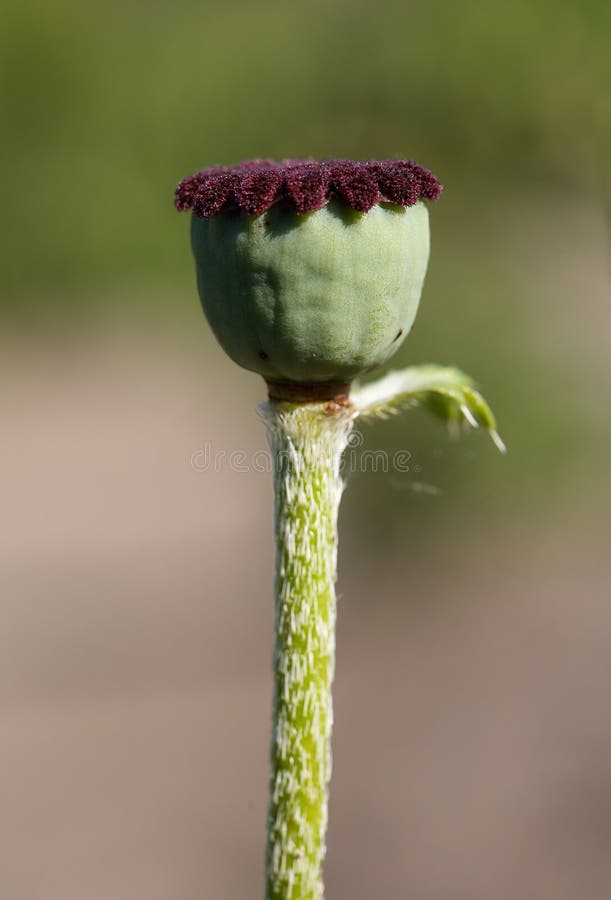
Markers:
point(305, 185)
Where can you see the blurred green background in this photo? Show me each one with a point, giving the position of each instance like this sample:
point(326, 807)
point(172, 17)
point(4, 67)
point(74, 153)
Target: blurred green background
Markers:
point(119, 559)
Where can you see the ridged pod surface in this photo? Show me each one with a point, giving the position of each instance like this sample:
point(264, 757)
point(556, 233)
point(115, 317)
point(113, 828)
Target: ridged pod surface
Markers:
point(312, 297)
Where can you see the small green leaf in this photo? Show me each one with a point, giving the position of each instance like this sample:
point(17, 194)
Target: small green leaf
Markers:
point(445, 391)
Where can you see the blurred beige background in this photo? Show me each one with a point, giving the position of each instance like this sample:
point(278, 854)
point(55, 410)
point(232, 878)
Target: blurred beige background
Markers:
point(472, 745)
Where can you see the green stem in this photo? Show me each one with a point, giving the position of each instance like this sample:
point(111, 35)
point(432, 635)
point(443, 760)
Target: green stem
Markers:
point(307, 443)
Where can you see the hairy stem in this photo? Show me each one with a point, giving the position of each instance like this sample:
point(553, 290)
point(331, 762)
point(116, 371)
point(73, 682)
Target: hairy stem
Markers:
point(307, 442)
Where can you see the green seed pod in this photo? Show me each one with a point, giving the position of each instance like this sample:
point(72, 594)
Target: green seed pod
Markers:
point(311, 297)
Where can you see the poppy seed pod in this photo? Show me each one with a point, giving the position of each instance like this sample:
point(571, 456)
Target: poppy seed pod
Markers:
point(310, 273)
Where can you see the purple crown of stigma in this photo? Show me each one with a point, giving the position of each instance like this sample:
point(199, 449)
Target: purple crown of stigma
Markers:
point(305, 185)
